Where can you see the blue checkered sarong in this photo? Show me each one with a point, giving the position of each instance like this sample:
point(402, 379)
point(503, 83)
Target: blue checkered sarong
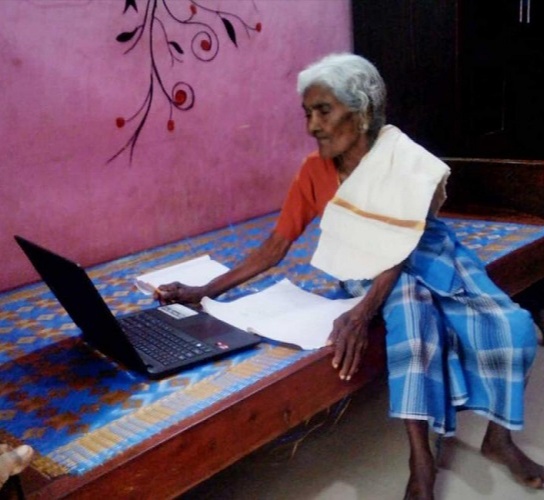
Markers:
point(455, 341)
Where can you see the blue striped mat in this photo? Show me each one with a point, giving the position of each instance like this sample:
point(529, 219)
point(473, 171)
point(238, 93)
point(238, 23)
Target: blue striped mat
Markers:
point(78, 409)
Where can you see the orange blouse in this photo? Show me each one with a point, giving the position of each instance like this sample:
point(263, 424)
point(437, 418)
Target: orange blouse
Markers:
point(313, 187)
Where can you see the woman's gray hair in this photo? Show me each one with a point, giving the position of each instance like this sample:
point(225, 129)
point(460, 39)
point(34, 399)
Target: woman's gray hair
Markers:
point(354, 81)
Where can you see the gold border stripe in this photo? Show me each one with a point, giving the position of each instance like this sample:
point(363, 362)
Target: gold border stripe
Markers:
point(412, 224)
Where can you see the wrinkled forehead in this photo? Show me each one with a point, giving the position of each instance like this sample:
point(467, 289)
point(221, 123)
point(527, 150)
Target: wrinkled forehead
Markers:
point(318, 95)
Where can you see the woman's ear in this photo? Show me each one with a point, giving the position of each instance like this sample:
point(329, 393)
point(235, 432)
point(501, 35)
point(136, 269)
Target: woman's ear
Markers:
point(363, 123)
point(365, 119)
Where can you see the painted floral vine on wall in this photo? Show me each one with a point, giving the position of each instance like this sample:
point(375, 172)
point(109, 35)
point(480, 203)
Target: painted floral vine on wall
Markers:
point(160, 23)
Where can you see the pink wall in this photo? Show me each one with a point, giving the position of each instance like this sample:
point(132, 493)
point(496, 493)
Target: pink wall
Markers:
point(65, 79)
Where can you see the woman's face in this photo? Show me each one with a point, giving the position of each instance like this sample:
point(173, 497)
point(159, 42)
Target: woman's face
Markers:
point(336, 128)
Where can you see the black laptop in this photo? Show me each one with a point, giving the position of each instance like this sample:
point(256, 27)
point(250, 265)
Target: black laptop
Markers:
point(159, 341)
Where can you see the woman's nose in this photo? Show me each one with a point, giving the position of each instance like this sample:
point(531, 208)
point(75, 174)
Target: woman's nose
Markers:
point(313, 124)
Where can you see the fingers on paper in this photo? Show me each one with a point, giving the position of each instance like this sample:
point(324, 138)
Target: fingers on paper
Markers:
point(168, 293)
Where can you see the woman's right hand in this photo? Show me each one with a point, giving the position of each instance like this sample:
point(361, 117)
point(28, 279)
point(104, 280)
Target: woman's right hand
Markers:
point(268, 254)
point(176, 292)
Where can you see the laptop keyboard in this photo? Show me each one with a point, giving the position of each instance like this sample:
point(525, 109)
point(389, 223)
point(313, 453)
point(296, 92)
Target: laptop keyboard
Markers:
point(161, 341)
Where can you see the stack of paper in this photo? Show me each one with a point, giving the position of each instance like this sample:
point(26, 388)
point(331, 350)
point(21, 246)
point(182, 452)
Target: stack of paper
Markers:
point(281, 312)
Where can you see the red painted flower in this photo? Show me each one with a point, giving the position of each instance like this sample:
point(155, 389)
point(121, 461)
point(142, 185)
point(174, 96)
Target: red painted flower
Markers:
point(205, 45)
point(193, 9)
point(120, 122)
point(180, 97)
point(258, 27)
point(170, 125)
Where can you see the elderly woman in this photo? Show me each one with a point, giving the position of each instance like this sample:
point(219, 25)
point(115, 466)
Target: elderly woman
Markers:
point(454, 341)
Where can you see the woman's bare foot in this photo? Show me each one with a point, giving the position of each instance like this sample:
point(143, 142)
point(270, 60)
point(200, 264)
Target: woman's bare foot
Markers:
point(422, 478)
point(499, 447)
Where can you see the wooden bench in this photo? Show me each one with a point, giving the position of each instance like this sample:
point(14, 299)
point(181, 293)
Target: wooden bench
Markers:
point(175, 458)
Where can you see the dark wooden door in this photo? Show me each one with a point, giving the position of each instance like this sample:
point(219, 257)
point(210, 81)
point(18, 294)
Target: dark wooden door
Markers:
point(501, 76)
point(465, 77)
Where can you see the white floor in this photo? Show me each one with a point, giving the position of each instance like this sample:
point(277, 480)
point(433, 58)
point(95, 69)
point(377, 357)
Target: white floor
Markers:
point(364, 456)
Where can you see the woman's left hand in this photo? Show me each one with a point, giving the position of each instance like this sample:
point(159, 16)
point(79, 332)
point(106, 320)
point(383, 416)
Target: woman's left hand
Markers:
point(350, 330)
point(349, 338)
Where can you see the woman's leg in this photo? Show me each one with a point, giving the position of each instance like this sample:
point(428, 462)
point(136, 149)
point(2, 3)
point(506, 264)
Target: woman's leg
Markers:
point(499, 447)
point(417, 367)
point(416, 357)
point(422, 467)
point(498, 342)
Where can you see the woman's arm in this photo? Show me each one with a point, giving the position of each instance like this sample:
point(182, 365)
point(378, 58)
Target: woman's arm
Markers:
point(267, 255)
point(350, 330)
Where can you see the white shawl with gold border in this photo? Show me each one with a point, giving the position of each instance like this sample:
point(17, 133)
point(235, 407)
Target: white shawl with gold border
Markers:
point(378, 214)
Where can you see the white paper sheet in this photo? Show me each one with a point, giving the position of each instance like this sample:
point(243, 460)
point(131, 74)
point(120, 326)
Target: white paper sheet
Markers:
point(194, 272)
point(283, 312)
